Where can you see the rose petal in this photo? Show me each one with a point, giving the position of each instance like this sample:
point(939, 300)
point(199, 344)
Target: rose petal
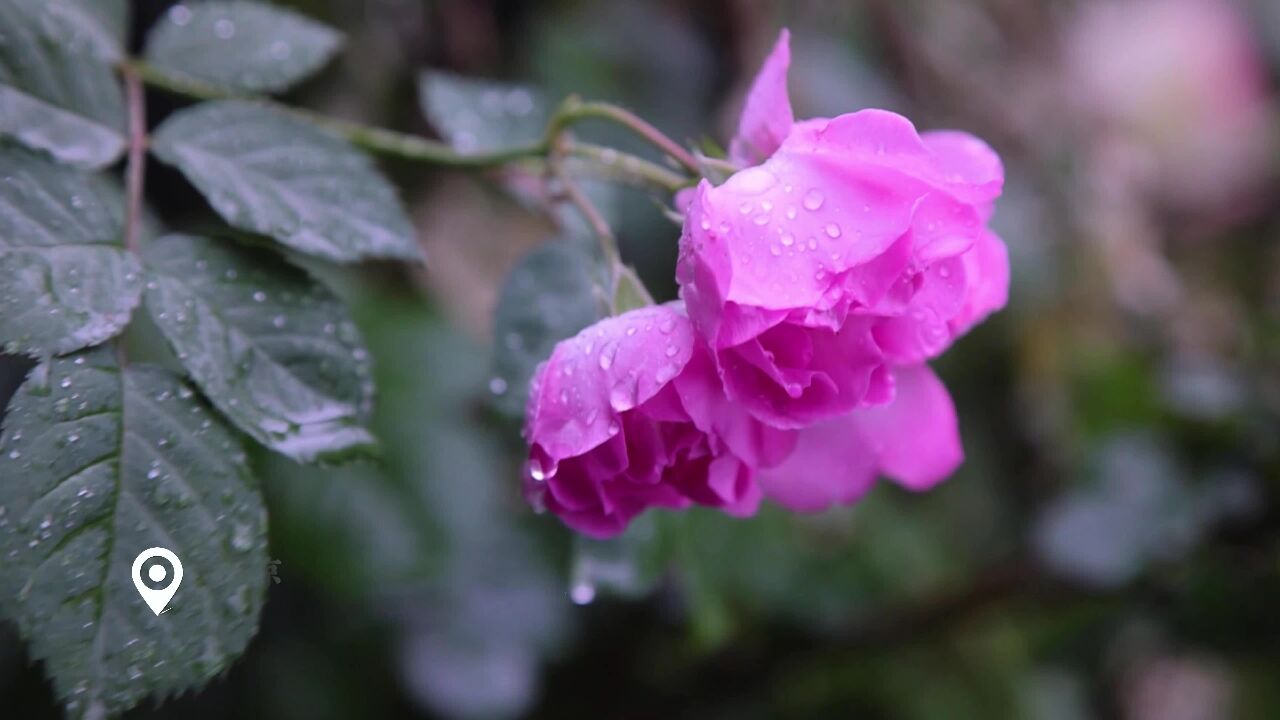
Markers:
point(964, 158)
point(704, 399)
point(917, 435)
point(836, 378)
point(922, 331)
point(987, 274)
point(954, 162)
point(722, 482)
point(832, 465)
point(608, 368)
point(766, 243)
point(766, 116)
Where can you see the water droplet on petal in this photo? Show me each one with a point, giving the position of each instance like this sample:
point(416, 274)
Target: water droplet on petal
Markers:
point(535, 470)
point(813, 199)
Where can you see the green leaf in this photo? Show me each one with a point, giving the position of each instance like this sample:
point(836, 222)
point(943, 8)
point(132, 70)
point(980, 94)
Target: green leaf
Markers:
point(240, 46)
point(477, 116)
point(65, 282)
point(98, 464)
point(91, 27)
point(550, 295)
point(55, 99)
point(629, 293)
point(269, 172)
point(275, 351)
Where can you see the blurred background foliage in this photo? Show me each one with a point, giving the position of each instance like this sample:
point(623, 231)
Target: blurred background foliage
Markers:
point(1110, 548)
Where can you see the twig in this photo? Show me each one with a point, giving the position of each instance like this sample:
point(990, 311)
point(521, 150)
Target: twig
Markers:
point(135, 172)
point(420, 149)
point(573, 110)
point(625, 166)
point(600, 226)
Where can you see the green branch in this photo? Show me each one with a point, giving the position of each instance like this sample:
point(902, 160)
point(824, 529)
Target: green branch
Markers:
point(612, 163)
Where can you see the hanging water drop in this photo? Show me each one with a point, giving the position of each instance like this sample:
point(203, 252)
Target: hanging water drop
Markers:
point(582, 593)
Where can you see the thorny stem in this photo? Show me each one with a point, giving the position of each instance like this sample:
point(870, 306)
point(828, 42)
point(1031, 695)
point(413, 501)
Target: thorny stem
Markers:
point(416, 148)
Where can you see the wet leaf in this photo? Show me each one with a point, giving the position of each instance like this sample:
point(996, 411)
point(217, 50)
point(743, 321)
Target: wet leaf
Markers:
point(65, 281)
point(629, 293)
point(98, 464)
point(274, 350)
point(269, 172)
point(94, 27)
point(240, 46)
point(477, 116)
point(52, 98)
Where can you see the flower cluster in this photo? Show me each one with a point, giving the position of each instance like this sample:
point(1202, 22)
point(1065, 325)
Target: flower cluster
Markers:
point(816, 283)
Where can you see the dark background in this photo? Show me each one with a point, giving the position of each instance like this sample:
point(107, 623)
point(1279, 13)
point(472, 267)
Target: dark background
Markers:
point(1111, 547)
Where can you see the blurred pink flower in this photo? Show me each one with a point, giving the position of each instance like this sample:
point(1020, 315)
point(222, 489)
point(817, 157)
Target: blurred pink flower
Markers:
point(1181, 81)
point(855, 246)
point(624, 417)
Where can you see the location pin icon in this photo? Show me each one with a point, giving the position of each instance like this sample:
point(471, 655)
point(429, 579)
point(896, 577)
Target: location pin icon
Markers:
point(157, 599)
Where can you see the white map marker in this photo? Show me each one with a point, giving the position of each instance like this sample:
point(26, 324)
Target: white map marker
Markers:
point(157, 599)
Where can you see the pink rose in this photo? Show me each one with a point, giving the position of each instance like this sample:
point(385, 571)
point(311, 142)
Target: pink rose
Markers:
point(914, 440)
point(629, 415)
point(854, 247)
point(818, 282)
